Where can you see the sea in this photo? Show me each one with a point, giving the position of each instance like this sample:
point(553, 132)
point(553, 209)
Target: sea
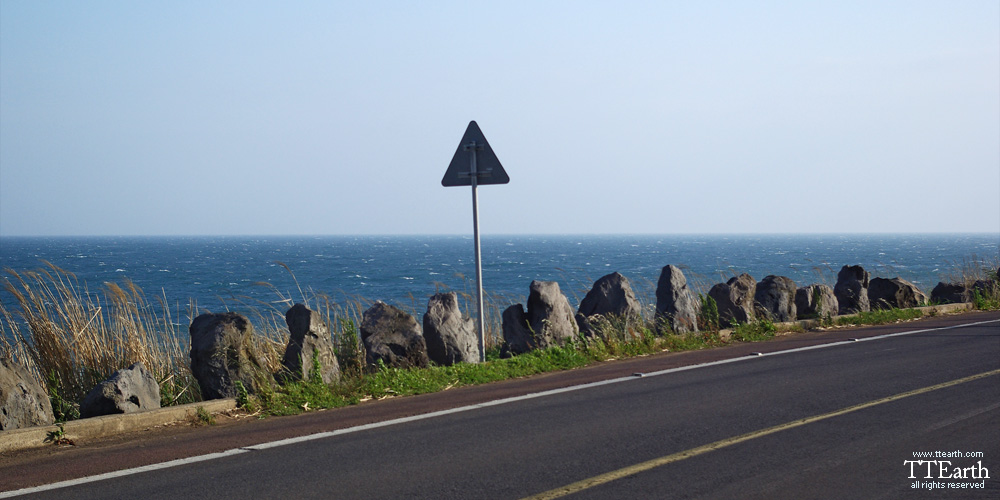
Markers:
point(232, 272)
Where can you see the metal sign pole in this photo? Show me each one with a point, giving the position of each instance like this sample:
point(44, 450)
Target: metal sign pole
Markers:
point(479, 261)
point(484, 169)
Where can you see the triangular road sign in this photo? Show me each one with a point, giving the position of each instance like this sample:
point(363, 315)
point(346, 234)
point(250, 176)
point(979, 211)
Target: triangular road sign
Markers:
point(488, 168)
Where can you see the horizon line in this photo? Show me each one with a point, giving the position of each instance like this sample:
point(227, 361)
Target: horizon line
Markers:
point(358, 235)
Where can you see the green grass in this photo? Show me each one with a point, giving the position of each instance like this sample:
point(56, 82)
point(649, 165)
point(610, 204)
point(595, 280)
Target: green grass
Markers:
point(988, 301)
point(203, 417)
point(755, 331)
point(386, 381)
point(879, 317)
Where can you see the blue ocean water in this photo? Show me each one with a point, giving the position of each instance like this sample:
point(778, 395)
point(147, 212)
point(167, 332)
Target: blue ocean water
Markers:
point(224, 272)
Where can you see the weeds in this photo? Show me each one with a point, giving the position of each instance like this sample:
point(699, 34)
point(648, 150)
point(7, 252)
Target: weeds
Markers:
point(176, 389)
point(62, 410)
point(691, 341)
point(203, 417)
point(879, 317)
point(58, 436)
point(708, 314)
point(243, 397)
point(297, 397)
point(756, 331)
point(350, 352)
point(986, 300)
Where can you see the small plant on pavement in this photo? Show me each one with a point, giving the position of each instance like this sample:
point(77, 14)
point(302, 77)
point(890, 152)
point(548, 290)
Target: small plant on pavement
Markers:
point(58, 436)
point(203, 417)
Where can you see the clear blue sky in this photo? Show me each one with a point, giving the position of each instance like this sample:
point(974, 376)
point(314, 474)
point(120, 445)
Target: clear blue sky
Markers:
point(193, 117)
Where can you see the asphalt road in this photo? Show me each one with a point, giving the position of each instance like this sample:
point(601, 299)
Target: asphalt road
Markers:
point(525, 447)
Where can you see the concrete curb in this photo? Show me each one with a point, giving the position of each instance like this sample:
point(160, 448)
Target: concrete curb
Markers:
point(108, 425)
point(806, 324)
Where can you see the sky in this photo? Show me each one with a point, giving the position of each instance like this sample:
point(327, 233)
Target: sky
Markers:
point(661, 117)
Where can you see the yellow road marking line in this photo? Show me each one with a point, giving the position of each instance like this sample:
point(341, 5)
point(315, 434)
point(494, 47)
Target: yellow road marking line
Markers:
point(676, 457)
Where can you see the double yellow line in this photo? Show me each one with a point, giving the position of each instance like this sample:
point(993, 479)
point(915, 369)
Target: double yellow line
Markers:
point(693, 452)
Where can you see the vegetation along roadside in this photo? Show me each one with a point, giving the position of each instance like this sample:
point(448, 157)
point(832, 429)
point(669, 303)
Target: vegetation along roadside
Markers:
point(71, 339)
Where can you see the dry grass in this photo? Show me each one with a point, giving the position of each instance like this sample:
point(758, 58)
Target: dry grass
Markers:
point(73, 338)
point(972, 269)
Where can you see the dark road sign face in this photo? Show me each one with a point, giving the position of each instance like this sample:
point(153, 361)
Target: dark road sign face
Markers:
point(488, 168)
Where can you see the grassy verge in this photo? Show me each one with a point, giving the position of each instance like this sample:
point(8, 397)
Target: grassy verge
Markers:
point(879, 317)
point(754, 332)
point(987, 299)
point(385, 382)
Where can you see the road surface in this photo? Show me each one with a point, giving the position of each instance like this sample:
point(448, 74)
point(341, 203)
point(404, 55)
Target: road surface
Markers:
point(797, 421)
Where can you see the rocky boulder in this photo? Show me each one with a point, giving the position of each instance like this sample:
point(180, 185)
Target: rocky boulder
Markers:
point(675, 303)
point(309, 343)
point(450, 336)
point(852, 290)
point(950, 293)
point(986, 287)
point(816, 301)
point(23, 401)
point(128, 390)
point(894, 293)
point(518, 338)
point(548, 321)
point(610, 298)
point(775, 296)
point(221, 354)
point(392, 336)
point(735, 299)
